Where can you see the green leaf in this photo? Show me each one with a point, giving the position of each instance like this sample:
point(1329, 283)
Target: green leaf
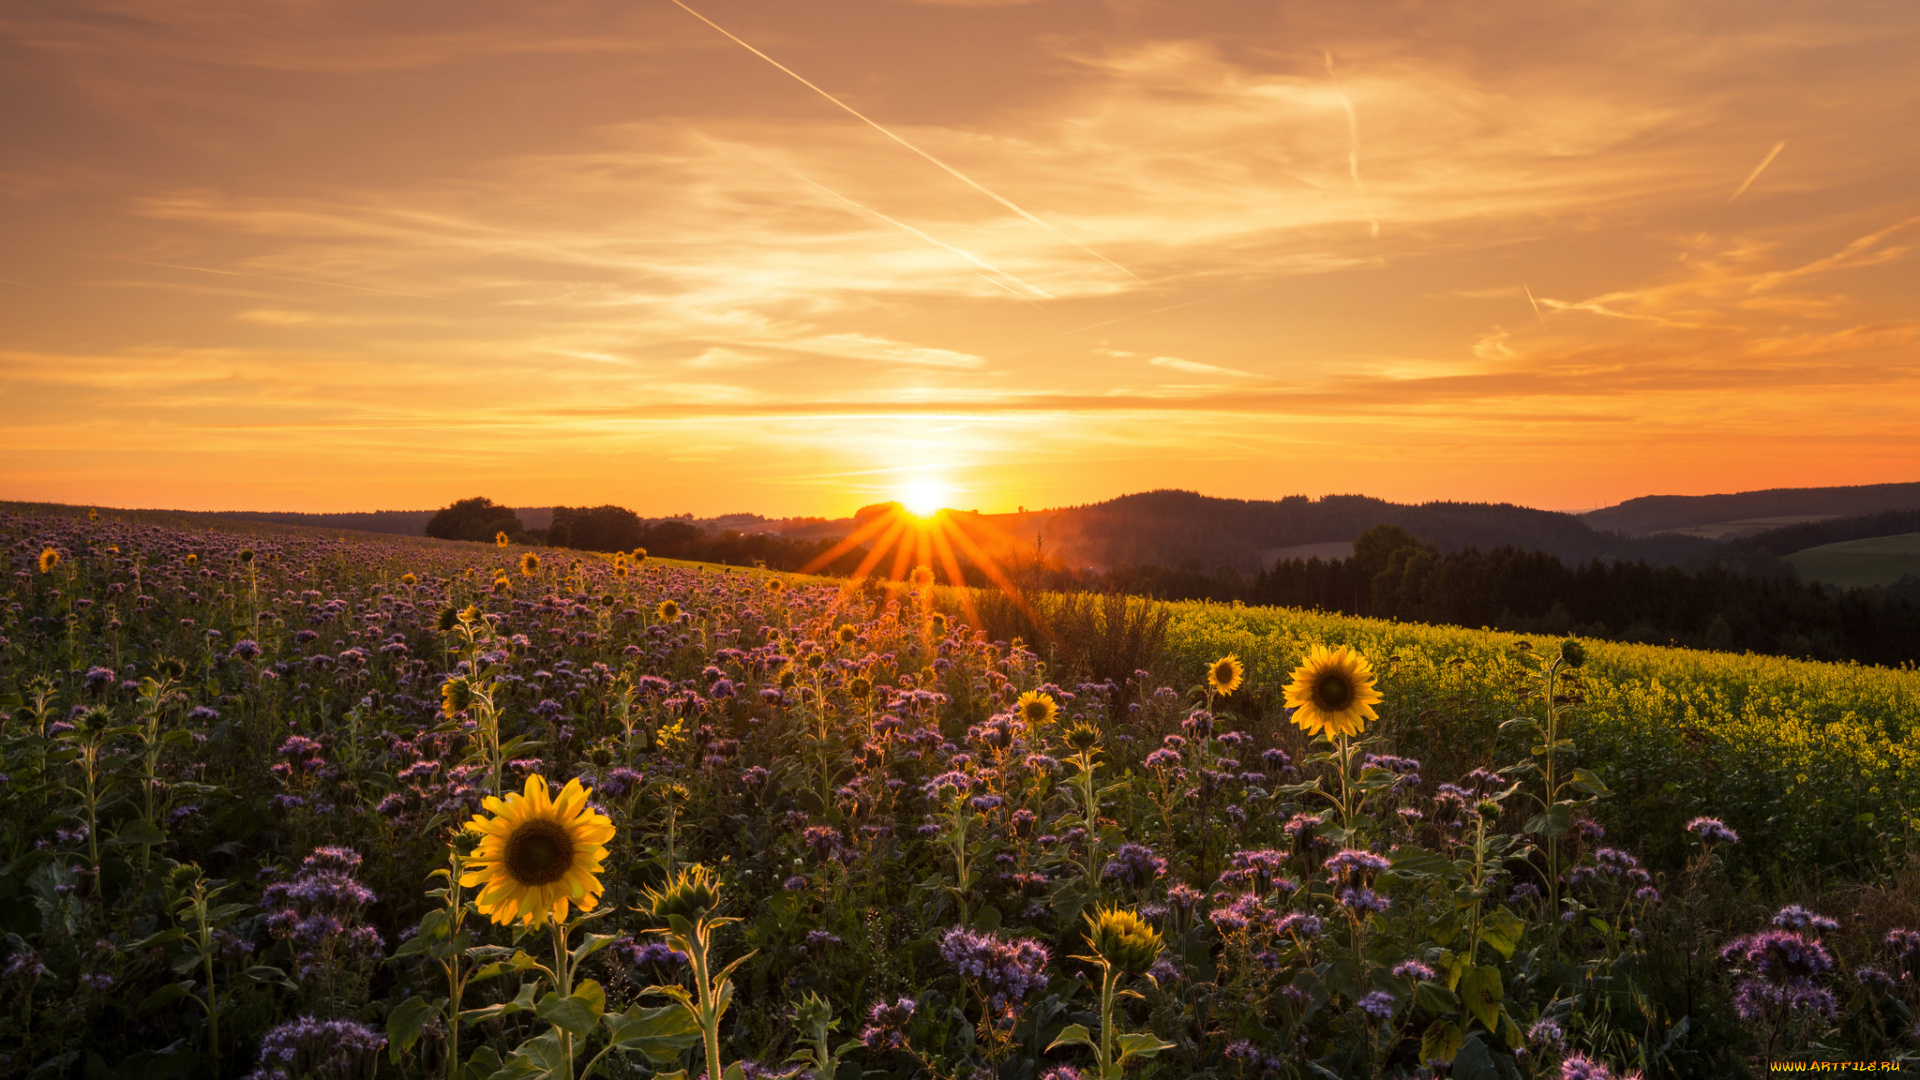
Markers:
point(166, 995)
point(1139, 1044)
point(1416, 862)
point(1503, 930)
point(734, 1072)
point(1435, 998)
point(404, 1024)
point(660, 1034)
point(1589, 783)
point(140, 831)
point(268, 974)
point(522, 1002)
point(164, 937)
point(1072, 1035)
point(593, 944)
point(1557, 820)
point(1480, 992)
point(1473, 1061)
point(574, 1014)
point(1441, 1041)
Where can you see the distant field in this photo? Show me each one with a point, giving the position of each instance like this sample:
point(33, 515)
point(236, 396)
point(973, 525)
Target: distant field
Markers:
point(1727, 530)
point(1879, 560)
point(1816, 762)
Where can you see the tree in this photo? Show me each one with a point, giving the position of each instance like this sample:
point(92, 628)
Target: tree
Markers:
point(478, 519)
point(598, 528)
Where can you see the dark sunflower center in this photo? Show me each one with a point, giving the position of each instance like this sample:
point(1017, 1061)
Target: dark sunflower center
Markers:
point(1036, 712)
point(1332, 692)
point(539, 853)
point(1223, 673)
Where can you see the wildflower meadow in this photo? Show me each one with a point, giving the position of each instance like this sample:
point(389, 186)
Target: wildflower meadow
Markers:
point(282, 803)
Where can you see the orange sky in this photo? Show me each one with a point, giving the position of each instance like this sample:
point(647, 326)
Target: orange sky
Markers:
point(323, 255)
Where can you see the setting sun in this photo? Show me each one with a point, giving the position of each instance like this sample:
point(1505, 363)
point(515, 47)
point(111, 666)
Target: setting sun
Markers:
point(924, 497)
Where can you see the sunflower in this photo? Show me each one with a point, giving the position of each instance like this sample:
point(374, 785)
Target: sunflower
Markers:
point(1036, 708)
point(1332, 692)
point(1123, 939)
point(49, 559)
point(529, 564)
point(537, 854)
point(922, 577)
point(775, 585)
point(639, 555)
point(500, 539)
point(408, 579)
point(1223, 677)
point(846, 634)
point(668, 611)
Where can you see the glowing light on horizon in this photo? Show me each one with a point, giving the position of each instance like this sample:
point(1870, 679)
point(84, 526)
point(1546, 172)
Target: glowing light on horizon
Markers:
point(924, 497)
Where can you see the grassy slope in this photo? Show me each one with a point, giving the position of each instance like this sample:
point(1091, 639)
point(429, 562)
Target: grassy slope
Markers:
point(1816, 764)
point(1881, 560)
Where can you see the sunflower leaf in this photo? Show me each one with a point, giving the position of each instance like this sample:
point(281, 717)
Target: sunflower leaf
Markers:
point(593, 943)
point(659, 1034)
point(573, 1014)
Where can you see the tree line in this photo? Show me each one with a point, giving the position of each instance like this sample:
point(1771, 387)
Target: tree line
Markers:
point(616, 528)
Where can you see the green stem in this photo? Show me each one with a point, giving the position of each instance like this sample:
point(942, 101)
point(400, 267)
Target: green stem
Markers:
point(1109, 980)
point(563, 983)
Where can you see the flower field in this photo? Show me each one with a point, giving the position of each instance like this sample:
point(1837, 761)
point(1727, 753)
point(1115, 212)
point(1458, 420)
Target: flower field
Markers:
point(287, 804)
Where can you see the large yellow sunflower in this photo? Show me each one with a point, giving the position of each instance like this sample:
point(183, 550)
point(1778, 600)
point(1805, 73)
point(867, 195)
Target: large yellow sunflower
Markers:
point(1037, 708)
point(537, 854)
point(1333, 692)
point(1223, 676)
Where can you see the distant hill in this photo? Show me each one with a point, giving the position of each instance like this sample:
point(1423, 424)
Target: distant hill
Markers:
point(1172, 528)
point(1721, 517)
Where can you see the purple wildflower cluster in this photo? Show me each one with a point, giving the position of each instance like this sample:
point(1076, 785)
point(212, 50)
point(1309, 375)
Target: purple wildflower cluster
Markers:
point(886, 1027)
point(319, 911)
point(1782, 967)
point(1134, 866)
point(319, 1049)
point(1005, 972)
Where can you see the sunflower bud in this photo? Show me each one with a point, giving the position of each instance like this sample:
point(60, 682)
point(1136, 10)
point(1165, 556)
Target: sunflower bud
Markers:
point(1083, 736)
point(449, 618)
point(691, 894)
point(1572, 653)
point(1123, 939)
point(860, 687)
point(455, 696)
point(182, 877)
point(246, 556)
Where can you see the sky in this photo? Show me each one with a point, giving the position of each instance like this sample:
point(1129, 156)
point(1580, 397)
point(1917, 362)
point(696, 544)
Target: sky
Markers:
point(796, 256)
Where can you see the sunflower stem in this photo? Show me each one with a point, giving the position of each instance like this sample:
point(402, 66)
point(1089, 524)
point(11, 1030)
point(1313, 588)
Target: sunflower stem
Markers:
point(563, 984)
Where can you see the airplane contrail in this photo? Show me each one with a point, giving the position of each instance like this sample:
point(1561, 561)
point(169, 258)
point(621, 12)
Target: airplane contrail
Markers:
point(870, 122)
point(1353, 143)
point(1535, 303)
point(1757, 170)
point(904, 227)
